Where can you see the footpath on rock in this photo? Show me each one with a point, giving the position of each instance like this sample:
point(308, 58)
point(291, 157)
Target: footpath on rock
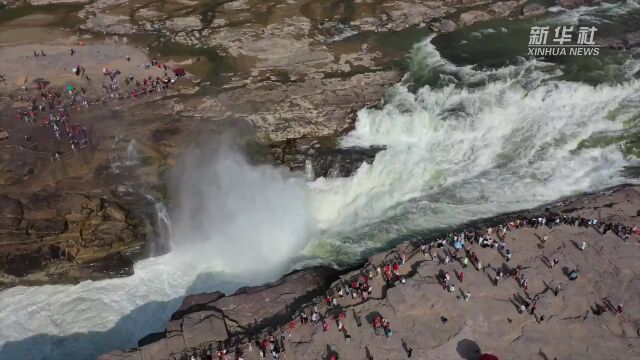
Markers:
point(567, 290)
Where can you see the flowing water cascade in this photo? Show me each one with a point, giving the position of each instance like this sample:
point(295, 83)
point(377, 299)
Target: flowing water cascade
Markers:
point(461, 143)
point(309, 173)
point(160, 243)
point(132, 153)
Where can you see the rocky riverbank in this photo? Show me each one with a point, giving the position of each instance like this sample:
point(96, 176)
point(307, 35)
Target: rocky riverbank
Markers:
point(435, 324)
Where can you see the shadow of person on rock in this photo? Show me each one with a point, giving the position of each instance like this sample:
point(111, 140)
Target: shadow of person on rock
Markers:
point(598, 310)
point(367, 353)
point(506, 269)
point(515, 304)
point(468, 349)
point(542, 355)
point(357, 318)
point(408, 349)
point(609, 305)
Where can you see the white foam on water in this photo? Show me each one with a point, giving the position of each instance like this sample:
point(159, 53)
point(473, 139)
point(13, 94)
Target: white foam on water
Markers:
point(592, 14)
point(454, 153)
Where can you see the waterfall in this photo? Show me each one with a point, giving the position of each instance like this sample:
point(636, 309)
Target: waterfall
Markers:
point(132, 153)
point(309, 173)
point(164, 231)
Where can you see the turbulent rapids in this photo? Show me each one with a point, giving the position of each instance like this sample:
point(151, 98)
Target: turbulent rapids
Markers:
point(477, 144)
point(469, 143)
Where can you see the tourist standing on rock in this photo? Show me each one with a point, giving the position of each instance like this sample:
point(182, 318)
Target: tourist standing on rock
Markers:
point(451, 288)
point(292, 326)
point(325, 326)
point(556, 290)
point(619, 309)
point(282, 339)
point(276, 351)
point(461, 276)
point(465, 261)
point(377, 324)
point(387, 329)
point(573, 275)
point(328, 301)
point(239, 353)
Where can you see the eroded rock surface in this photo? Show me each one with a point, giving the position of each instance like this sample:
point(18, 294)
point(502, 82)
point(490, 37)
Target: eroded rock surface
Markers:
point(66, 237)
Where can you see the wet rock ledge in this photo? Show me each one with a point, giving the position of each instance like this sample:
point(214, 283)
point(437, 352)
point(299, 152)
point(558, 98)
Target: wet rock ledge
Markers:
point(208, 317)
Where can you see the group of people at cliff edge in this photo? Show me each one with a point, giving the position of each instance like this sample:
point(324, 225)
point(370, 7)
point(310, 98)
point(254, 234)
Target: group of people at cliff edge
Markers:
point(456, 247)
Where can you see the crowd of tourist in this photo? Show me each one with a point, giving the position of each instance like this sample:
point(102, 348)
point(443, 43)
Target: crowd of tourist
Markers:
point(446, 249)
point(40, 105)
